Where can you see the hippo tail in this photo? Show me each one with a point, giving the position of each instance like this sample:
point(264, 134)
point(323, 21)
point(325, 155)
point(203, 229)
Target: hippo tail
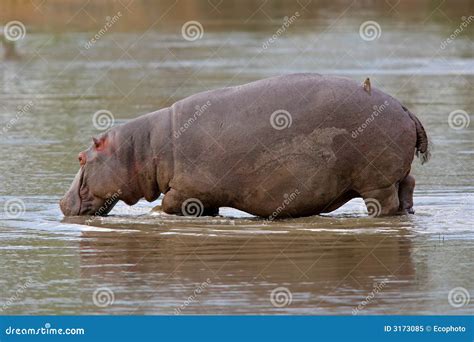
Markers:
point(422, 145)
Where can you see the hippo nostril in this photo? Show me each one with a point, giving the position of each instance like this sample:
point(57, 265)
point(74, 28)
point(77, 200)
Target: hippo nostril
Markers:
point(82, 158)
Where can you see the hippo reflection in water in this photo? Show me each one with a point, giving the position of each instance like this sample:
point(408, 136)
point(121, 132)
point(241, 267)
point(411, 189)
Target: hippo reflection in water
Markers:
point(286, 146)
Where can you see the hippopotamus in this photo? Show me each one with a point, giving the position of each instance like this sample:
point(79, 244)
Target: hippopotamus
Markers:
point(286, 146)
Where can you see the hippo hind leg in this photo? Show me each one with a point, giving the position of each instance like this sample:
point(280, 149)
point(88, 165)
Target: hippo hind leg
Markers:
point(405, 194)
point(382, 202)
point(178, 204)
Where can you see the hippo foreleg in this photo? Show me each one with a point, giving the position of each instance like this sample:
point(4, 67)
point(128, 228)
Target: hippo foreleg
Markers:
point(172, 202)
point(176, 203)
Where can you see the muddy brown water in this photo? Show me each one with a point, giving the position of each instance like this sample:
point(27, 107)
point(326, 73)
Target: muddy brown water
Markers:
point(138, 262)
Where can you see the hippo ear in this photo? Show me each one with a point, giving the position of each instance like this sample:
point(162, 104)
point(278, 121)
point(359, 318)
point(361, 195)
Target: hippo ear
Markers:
point(99, 143)
point(96, 142)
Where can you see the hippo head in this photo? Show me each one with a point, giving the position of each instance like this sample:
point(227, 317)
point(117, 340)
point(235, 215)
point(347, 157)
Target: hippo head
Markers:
point(101, 179)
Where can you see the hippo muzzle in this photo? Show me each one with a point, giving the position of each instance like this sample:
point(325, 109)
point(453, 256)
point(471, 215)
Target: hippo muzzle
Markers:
point(78, 200)
point(70, 204)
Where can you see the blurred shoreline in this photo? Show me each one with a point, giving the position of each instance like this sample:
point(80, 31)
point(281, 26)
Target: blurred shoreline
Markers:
point(76, 15)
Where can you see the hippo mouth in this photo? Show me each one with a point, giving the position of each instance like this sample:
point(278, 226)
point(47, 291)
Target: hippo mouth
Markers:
point(85, 200)
point(79, 200)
